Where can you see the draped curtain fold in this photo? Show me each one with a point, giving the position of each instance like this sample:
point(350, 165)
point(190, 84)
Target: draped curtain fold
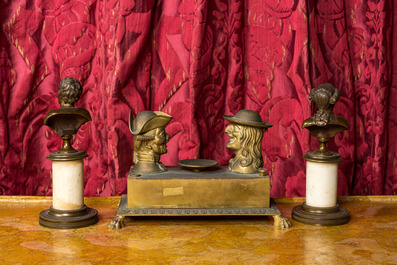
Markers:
point(198, 60)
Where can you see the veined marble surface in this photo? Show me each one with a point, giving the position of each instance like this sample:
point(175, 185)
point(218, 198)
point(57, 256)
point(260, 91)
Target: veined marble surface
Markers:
point(369, 238)
point(68, 184)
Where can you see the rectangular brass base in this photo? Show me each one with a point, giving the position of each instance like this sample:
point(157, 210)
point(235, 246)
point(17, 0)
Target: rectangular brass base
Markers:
point(180, 188)
point(123, 212)
point(179, 192)
point(126, 211)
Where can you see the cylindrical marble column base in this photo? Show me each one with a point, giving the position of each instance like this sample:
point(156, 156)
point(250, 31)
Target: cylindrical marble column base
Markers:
point(322, 216)
point(68, 184)
point(68, 219)
point(321, 183)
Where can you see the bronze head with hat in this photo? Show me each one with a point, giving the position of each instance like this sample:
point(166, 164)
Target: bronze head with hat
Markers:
point(150, 141)
point(246, 134)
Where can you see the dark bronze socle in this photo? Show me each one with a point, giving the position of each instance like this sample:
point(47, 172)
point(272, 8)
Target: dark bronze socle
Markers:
point(323, 125)
point(65, 122)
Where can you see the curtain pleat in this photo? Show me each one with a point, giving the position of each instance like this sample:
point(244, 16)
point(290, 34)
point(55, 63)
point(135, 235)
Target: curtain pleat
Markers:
point(198, 61)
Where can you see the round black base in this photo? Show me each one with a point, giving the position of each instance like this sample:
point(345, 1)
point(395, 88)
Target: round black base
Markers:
point(63, 219)
point(323, 216)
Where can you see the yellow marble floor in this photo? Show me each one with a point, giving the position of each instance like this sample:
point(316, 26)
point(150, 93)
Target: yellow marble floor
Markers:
point(369, 238)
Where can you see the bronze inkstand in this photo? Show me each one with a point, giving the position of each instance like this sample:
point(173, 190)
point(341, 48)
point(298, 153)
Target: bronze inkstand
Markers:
point(199, 187)
point(68, 209)
point(321, 206)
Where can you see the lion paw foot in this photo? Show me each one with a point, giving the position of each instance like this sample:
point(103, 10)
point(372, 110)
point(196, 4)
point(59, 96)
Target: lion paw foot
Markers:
point(281, 221)
point(117, 223)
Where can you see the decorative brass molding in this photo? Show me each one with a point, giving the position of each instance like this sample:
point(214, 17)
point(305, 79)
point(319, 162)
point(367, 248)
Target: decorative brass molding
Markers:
point(123, 212)
point(324, 124)
point(220, 211)
point(246, 134)
point(67, 120)
point(150, 139)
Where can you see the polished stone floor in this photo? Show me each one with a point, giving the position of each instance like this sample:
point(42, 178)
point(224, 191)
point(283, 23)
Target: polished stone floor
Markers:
point(369, 238)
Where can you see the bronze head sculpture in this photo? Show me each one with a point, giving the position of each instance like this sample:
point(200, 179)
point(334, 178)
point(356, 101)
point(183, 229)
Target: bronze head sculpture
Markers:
point(150, 141)
point(324, 124)
point(325, 96)
point(246, 134)
point(69, 92)
point(67, 120)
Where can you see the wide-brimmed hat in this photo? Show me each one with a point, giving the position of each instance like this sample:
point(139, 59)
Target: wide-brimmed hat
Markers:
point(249, 118)
point(148, 120)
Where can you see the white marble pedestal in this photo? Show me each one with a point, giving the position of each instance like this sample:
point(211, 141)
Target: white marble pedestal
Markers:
point(68, 184)
point(68, 210)
point(321, 184)
point(321, 207)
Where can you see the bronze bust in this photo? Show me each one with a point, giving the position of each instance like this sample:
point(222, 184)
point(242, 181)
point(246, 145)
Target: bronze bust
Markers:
point(246, 134)
point(68, 210)
point(67, 120)
point(321, 207)
point(150, 141)
point(324, 124)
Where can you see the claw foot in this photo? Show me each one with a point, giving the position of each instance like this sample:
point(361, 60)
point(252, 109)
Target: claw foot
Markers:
point(280, 221)
point(117, 223)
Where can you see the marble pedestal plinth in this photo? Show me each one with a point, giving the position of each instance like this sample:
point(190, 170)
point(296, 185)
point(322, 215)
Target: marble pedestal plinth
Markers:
point(321, 206)
point(321, 184)
point(68, 184)
point(68, 210)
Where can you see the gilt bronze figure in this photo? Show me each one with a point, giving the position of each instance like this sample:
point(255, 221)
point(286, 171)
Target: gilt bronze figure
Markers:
point(246, 134)
point(150, 141)
point(199, 187)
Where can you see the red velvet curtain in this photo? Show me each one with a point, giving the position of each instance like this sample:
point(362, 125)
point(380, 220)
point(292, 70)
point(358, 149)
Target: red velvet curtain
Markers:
point(198, 60)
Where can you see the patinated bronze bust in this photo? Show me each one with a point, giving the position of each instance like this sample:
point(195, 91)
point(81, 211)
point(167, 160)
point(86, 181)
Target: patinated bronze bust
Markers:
point(150, 141)
point(324, 124)
point(246, 134)
point(321, 207)
point(68, 210)
point(67, 120)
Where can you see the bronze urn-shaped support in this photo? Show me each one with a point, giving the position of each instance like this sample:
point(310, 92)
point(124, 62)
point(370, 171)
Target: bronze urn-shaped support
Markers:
point(321, 206)
point(68, 209)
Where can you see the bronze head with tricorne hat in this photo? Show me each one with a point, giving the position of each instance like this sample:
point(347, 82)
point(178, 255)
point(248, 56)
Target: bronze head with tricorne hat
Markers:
point(150, 140)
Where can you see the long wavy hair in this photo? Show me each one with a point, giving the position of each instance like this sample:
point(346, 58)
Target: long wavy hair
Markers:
point(251, 149)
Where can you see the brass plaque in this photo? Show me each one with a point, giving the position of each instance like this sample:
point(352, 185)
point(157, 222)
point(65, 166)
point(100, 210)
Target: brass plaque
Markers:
point(179, 188)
